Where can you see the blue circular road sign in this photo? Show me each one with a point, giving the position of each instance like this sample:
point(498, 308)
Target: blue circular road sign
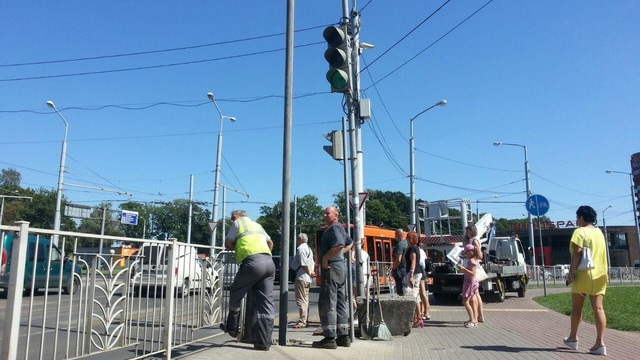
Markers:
point(537, 205)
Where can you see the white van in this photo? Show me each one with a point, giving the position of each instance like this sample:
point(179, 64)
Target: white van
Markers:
point(149, 273)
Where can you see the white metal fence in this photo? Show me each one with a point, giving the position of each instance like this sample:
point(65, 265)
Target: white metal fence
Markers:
point(557, 275)
point(67, 305)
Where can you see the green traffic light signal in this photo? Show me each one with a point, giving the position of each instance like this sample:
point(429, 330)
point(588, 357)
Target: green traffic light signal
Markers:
point(337, 55)
point(338, 79)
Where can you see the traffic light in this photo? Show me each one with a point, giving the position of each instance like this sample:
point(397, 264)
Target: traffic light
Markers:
point(337, 55)
point(335, 150)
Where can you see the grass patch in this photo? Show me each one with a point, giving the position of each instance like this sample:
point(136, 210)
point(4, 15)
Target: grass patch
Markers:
point(620, 305)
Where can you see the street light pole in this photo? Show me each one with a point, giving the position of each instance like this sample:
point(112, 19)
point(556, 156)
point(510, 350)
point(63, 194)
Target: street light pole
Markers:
point(412, 172)
point(528, 188)
point(606, 237)
point(217, 176)
point(633, 203)
point(58, 216)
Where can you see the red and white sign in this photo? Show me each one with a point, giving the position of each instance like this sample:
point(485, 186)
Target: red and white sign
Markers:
point(362, 197)
point(212, 225)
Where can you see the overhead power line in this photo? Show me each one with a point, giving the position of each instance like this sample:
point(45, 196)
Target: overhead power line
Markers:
point(182, 48)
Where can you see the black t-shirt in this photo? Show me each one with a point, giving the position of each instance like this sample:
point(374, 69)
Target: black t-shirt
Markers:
point(407, 256)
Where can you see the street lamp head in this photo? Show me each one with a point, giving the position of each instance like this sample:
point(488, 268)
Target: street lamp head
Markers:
point(441, 103)
point(497, 143)
point(608, 171)
point(231, 118)
point(51, 104)
point(210, 96)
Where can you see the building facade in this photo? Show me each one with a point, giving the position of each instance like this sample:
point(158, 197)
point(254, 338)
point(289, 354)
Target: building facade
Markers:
point(622, 243)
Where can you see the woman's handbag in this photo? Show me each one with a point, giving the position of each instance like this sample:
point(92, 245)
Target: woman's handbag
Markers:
point(586, 261)
point(481, 275)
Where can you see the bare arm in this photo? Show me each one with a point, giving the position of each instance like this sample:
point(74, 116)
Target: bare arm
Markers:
point(229, 245)
point(575, 260)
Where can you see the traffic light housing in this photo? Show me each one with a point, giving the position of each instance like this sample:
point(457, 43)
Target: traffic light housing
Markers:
point(335, 149)
point(337, 55)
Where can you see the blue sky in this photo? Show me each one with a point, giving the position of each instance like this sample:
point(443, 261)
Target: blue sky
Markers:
point(561, 77)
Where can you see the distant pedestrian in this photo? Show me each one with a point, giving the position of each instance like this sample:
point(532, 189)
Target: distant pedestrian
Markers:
point(588, 282)
point(414, 276)
point(257, 271)
point(398, 265)
point(471, 236)
point(304, 265)
point(332, 302)
point(426, 267)
point(364, 264)
point(470, 285)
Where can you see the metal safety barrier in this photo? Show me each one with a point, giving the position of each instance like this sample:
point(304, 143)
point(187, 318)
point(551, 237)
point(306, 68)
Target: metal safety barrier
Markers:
point(62, 303)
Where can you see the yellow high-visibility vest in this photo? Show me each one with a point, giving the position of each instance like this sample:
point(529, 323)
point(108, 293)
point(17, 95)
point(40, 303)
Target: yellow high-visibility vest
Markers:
point(251, 239)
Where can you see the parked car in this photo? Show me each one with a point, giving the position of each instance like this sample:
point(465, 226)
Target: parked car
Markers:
point(42, 263)
point(226, 260)
point(150, 273)
point(560, 271)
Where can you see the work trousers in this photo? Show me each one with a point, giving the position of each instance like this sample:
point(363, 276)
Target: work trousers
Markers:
point(332, 303)
point(302, 299)
point(256, 275)
point(398, 275)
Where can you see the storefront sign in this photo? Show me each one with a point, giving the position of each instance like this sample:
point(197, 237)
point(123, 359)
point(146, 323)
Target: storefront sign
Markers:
point(545, 225)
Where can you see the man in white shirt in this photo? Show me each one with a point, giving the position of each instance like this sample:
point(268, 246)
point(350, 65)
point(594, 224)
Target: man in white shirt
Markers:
point(304, 265)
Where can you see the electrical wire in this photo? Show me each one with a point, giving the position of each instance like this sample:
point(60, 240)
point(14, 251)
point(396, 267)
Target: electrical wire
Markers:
point(112, 56)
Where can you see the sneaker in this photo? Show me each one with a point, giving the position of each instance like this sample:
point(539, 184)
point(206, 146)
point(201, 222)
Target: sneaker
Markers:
point(343, 340)
point(326, 343)
point(261, 347)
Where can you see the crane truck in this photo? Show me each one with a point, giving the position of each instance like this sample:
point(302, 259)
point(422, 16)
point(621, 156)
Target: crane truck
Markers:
point(503, 257)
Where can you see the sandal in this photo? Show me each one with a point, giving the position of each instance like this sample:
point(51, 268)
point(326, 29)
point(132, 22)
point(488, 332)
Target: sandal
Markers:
point(300, 325)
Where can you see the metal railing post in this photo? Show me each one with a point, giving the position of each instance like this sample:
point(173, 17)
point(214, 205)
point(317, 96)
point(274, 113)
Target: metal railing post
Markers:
point(170, 293)
point(9, 348)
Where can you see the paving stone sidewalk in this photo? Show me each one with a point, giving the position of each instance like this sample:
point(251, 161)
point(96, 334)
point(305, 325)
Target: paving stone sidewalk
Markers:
point(518, 328)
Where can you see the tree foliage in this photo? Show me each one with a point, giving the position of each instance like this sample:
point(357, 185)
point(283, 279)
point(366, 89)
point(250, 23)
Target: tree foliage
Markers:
point(10, 178)
point(309, 220)
point(386, 209)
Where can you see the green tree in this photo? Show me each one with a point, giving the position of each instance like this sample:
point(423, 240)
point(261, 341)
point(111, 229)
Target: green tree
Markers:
point(386, 209)
point(40, 212)
point(10, 178)
point(93, 225)
point(309, 220)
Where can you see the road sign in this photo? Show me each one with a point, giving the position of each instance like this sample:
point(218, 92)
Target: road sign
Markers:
point(537, 205)
point(411, 227)
point(362, 198)
point(129, 217)
point(212, 225)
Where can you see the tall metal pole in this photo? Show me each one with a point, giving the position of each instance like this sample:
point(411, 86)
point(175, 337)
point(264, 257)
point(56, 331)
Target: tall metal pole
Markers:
point(412, 172)
point(216, 187)
point(529, 218)
point(63, 156)
point(633, 204)
point(286, 173)
point(190, 209)
point(606, 236)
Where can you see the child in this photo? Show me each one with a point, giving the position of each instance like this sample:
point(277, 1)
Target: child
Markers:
point(470, 285)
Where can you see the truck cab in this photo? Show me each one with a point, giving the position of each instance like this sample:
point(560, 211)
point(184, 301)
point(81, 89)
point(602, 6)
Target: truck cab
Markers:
point(43, 259)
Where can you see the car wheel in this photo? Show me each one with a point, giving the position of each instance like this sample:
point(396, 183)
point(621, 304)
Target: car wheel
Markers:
point(76, 285)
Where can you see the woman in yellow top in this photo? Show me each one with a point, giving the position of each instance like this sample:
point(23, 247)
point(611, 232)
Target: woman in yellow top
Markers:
point(589, 282)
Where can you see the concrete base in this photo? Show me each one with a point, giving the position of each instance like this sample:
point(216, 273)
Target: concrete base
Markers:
point(397, 314)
